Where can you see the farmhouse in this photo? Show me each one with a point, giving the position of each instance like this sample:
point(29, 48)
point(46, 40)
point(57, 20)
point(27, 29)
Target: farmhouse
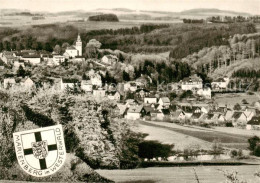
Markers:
point(192, 82)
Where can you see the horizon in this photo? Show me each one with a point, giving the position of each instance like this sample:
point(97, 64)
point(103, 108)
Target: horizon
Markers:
point(242, 6)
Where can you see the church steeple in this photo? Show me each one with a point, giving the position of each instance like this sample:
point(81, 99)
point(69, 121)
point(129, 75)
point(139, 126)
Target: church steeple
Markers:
point(78, 39)
point(79, 45)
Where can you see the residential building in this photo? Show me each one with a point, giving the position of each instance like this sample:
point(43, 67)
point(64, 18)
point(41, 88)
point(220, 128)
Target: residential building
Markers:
point(99, 93)
point(164, 102)
point(150, 100)
point(68, 83)
point(191, 83)
point(86, 85)
point(130, 86)
point(9, 82)
point(18, 63)
point(109, 59)
point(27, 83)
point(135, 112)
point(220, 83)
point(32, 59)
point(58, 59)
point(114, 95)
point(253, 124)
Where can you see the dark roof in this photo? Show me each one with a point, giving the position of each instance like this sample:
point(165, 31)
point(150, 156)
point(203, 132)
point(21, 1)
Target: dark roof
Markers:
point(254, 121)
point(148, 109)
point(142, 89)
point(210, 116)
point(69, 80)
point(166, 111)
point(2, 63)
point(31, 56)
point(196, 115)
point(237, 115)
point(193, 78)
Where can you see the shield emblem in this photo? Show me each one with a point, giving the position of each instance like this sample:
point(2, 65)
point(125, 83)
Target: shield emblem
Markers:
point(40, 152)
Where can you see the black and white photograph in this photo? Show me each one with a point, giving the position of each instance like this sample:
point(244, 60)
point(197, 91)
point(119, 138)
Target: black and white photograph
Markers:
point(130, 91)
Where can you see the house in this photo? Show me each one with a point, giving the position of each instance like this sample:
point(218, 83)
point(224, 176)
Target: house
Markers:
point(99, 93)
point(191, 83)
point(27, 83)
point(58, 59)
point(249, 114)
point(9, 82)
point(239, 118)
point(196, 117)
point(228, 115)
point(78, 59)
point(135, 112)
point(18, 63)
point(8, 57)
point(178, 114)
point(32, 59)
point(142, 92)
point(2, 64)
point(113, 95)
point(164, 102)
point(109, 59)
point(150, 100)
point(253, 124)
point(156, 114)
point(204, 92)
point(86, 85)
point(68, 83)
point(212, 118)
point(122, 109)
point(220, 83)
point(95, 78)
point(75, 50)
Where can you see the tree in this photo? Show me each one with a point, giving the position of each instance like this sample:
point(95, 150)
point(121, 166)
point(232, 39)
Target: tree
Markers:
point(21, 72)
point(237, 107)
point(253, 141)
point(57, 49)
point(48, 47)
point(126, 76)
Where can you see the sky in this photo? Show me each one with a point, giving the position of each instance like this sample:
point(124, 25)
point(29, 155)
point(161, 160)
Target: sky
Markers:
point(248, 6)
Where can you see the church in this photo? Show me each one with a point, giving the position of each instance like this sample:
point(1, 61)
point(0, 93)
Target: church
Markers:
point(75, 50)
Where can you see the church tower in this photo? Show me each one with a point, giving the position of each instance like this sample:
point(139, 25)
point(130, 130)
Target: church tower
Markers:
point(79, 46)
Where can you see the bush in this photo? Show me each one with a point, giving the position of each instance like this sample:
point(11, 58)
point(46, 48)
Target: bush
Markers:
point(234, 153)
point(257, 151)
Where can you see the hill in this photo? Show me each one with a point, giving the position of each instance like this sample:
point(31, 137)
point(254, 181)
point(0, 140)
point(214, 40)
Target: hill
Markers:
point(104, 18)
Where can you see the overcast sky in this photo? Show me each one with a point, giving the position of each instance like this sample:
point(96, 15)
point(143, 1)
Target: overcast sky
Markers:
point(249, 6)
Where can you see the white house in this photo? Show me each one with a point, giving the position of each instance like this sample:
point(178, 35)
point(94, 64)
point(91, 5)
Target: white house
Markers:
point(18, 63)
point(150, 100)
point(192, 82)
point(220, 83)
point(204, 92)
point(134, 112)
point(58, 59)
point(68, 83)
point(75, 50)
point(99, 93)
point(164, 103)
point(109, 59)
point(253, 124)
point(9, 82)
point(32, 59)
point(115, 95)
point(27, 83)
point(86, 85)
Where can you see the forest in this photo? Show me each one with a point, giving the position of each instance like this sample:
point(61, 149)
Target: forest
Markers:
point(104, 17)
point(148, 38)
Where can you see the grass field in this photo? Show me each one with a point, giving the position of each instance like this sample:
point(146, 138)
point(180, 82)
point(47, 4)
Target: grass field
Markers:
point(184, 137)
point(209, 174)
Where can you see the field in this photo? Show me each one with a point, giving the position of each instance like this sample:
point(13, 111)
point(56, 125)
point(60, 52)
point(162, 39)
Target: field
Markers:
point(192, 137)
point(209, 174)
point(232, 99)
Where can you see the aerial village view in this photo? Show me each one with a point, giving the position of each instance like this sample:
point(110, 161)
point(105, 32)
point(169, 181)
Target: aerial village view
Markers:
point(130, 91)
